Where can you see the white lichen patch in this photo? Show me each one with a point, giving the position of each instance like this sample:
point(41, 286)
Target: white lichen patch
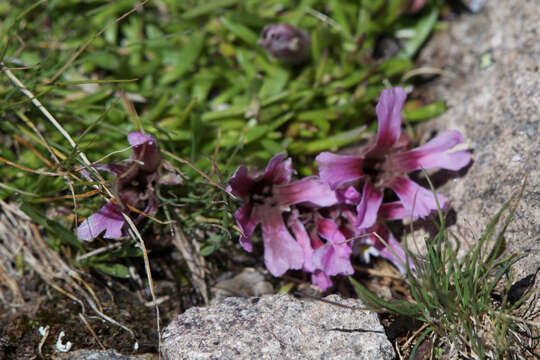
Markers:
point(60, 346)
point(43, 330)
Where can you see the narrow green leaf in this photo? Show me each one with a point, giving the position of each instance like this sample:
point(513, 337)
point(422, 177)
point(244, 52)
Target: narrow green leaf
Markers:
point(425, 112)
point(116, 270)
point(399, 307)
point(207, 7)
point(274, 82)
point(419, 341)
point(243, 32)
point(332, 142)
point(395, 66)
point(422, 30)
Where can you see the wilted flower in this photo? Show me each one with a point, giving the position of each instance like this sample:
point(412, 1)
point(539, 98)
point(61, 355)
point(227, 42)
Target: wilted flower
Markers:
point(134, 186)
point(267, 195)
point(286, 42)
point(385, 162)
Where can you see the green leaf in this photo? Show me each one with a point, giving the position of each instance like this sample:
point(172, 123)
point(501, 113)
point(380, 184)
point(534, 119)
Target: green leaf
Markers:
point(285, 289)
point(395, 66)
point(103, 59)
point(421, 32)
point(207, 7)
point(243, 32)
point(338, 10)
point(116, 270)
point(425, 112)
point(419, 341)
point(274, 82)
point(399, 307)
point(184, 60)
point(332, 142)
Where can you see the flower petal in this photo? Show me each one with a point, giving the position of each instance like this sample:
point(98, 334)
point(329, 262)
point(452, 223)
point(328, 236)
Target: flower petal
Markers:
point(338, 169)
point(368, 207)
point(418, 201)
point(281, 251)
point(392, 250)
point(334, 257)
point(349, 196)
point(310, 189)
point(389, 114)
point(330, 231)
point(151, 205)
point(450, 161)
point(393, 211)
point(108, 218)
point(304, 241)
point(432, 154)
point(278, 171)
point(145, 149)
point(240, 183)
point(247, 221)
point(321, 280)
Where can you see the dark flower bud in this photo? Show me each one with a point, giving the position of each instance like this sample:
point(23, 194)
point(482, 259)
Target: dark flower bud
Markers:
point(286, 43)
point(415, 6)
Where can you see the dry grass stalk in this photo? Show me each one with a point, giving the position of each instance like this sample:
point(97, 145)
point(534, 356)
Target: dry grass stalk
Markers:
point(194, 260)
point(21, 239)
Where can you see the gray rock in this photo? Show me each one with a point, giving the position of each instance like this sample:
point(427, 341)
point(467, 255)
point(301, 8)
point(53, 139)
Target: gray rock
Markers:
point(277, 327)
point(494, 100)
point(250, 282)
point(102, 355)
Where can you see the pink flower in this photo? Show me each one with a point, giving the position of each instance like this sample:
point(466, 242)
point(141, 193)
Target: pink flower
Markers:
point(134, 185)
point(385, 162)
point(266, 196)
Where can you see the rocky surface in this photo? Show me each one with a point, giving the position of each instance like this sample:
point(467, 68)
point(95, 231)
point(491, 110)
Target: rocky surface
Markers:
point(102, 355)
point(277, 327)
point(249, 282)
point(493, 98)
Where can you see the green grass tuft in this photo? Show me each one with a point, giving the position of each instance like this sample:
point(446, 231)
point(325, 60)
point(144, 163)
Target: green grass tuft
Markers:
point(455, 298)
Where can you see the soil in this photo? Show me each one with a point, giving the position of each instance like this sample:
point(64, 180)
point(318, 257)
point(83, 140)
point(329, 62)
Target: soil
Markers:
point(123, 300)
point(130, 304)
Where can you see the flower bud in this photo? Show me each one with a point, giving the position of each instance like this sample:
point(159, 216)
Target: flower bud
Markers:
point(286, 43)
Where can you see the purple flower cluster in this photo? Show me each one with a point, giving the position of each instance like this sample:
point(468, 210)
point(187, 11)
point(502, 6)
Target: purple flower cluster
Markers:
point(135, 184)
point(317, 223)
